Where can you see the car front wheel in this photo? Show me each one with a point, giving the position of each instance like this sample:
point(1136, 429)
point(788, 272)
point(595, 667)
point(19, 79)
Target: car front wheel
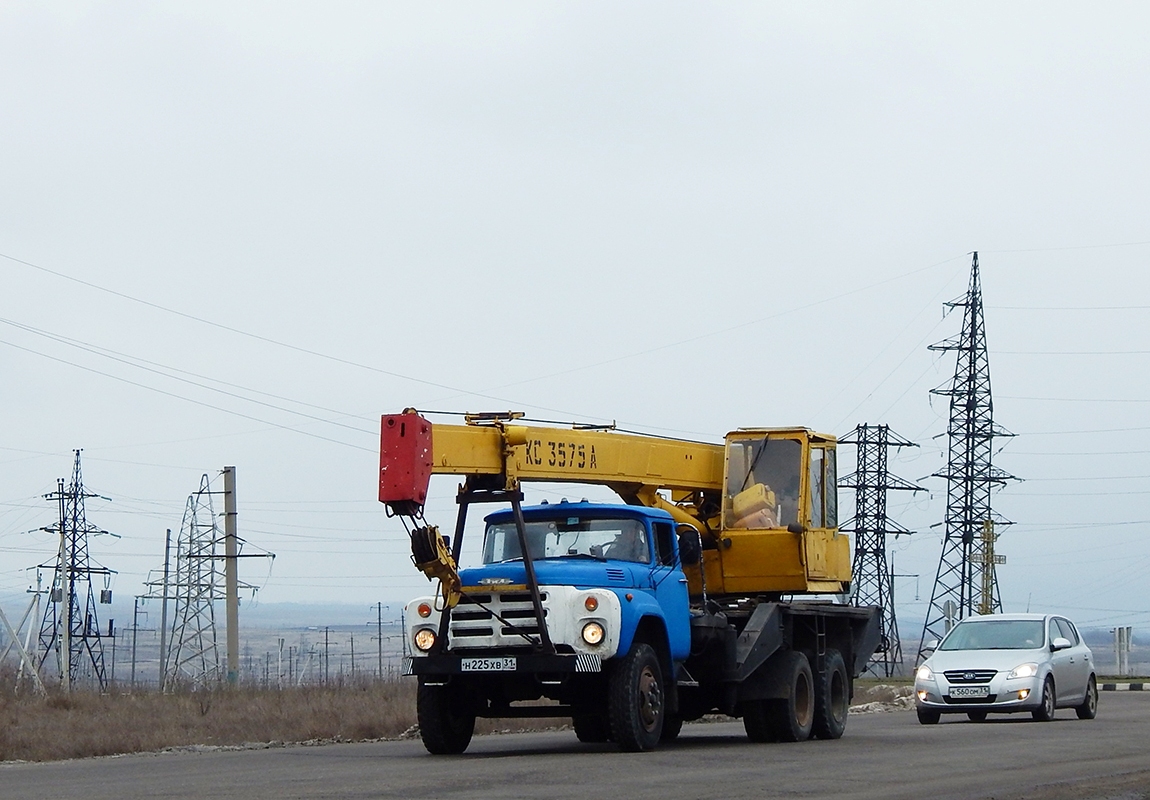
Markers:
point(1045, 712)
point(928, 716)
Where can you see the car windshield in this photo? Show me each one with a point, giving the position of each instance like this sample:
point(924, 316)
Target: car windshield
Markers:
point(1013, 634)
point(570, 537)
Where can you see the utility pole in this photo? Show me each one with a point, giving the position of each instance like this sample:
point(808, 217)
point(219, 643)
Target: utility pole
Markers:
point(326, 656)
point(987, 557)
point(379, 639)
point(135, 629)
point(970, 476)
point(231, 575)
point(164, 610)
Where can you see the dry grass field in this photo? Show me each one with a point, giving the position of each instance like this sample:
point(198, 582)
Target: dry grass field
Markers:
point(83, 724)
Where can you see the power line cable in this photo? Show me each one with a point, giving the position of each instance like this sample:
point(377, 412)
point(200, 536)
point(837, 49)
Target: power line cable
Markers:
point(129, 360)
point(186, 399)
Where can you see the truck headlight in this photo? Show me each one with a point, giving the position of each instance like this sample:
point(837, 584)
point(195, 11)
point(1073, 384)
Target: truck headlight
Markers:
point(593, 633)
point(425, 639)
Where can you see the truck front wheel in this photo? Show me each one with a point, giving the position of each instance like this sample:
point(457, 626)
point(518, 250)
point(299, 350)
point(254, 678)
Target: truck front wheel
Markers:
point(444, 725)
point(591, 728)
point(635, 705)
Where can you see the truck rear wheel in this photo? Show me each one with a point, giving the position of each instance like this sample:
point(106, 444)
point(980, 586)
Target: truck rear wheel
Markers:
point(635, 700)
point(832, 698)
point(444, 725)
point(794, 716)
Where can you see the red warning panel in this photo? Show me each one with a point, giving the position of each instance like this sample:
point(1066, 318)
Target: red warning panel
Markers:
point(404, 461)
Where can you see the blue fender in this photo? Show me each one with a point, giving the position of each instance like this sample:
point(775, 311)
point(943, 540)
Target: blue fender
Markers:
point(643, 605)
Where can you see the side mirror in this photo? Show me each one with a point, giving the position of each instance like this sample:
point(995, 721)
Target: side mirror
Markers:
point(932, 645)
point(690, 545)
point(1060, 643)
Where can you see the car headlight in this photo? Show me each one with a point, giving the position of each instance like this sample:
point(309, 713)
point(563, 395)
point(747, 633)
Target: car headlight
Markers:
point(425, 639)
point(593, 633)
point(924, 673)
point(1024, 671)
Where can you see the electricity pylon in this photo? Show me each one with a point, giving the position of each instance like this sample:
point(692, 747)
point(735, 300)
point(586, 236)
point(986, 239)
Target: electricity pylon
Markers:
point(193, 655)
point(871, 580)
point(966, 570)
point(70, 630)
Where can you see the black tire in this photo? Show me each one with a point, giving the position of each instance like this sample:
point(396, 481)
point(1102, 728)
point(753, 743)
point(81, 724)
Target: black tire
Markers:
point(672, 725)
point(591, 728)
point(759, 721)
point(832, 698)
point(1089, 707)
point(794, 717)
point(976, 716)
point(444, 725)
point(635, 706)
point(928, 716)
point(1045, 712)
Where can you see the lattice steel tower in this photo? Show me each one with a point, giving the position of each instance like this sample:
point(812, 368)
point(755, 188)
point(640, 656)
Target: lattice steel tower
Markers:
point(70, 630)
point(871, 583)
point(193, 652)
point(966, 568)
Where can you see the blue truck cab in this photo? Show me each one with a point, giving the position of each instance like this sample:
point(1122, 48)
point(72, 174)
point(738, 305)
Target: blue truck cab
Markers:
point(611, 586)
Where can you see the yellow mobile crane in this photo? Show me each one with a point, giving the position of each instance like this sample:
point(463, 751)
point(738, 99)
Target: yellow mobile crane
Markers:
point(765, 501)
point(561, 609)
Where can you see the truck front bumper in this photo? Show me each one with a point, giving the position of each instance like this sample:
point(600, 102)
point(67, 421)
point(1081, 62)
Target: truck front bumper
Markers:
point(522, 663)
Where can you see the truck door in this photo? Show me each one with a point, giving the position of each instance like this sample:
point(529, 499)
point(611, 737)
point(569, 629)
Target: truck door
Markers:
point(817, 536)
point(670, 585)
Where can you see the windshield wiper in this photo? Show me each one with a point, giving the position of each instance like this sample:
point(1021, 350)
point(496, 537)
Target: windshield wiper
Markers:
point(585, 555)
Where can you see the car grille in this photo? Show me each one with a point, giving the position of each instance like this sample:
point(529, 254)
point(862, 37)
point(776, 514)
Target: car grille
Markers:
point(969, 675)
point(475, 626)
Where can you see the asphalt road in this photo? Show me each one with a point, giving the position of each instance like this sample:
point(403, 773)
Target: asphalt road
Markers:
point(885, 755)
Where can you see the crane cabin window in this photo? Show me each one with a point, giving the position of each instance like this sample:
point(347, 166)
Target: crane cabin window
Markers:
point(570, 537)
point(762, 488)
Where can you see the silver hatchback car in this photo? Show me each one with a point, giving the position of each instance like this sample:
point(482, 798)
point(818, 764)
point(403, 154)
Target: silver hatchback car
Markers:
point(1007, 663)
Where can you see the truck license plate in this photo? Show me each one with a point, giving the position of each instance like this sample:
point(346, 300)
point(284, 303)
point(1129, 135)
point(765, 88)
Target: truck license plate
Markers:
point(488, 665)
point(969, 691)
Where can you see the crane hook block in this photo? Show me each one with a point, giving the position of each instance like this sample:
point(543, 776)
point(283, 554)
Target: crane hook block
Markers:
point(430, 555)
point(404, 462)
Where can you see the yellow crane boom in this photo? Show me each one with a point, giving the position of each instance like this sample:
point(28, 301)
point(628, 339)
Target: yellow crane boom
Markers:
point(763, 501)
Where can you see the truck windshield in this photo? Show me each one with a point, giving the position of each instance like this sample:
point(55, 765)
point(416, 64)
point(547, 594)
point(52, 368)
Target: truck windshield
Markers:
point(762, 483)
point(570, 537)
point(1023, 634)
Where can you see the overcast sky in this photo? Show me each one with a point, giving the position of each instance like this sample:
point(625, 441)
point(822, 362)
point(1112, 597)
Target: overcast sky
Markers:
point(239, 235)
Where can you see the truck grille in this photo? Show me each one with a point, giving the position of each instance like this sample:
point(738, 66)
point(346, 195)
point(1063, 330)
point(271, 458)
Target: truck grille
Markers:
point(969, 675)
point(474, 626)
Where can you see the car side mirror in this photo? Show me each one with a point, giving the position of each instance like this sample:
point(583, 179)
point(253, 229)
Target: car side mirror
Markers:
point(931, 646)
point(1060, 643)
point(690, 545)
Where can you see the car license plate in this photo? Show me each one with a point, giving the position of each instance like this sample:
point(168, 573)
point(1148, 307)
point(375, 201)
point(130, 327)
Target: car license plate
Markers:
point(488, 665)
point(969, 691)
